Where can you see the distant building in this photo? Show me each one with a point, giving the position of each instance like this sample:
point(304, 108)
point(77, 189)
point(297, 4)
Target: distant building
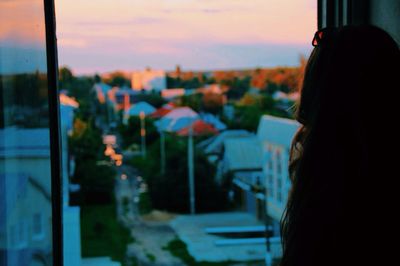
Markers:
point(198, 128)
point(238, 153)
point(212, 88)
point(213, 120)
point(68, 106)
point(149, 80)
point(275, 136)
point(177, 119)
point(102, 90)
point(213, 147)
point(170, 94)
point(125, 98)
point(242, 159)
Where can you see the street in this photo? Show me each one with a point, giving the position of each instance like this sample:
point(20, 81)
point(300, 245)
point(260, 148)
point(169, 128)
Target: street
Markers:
point(150, 238)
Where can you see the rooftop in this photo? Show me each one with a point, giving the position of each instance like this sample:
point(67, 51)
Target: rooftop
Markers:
point(21, 142)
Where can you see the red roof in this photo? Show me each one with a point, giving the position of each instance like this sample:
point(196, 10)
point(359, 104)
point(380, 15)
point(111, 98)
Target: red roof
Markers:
point(160, 112)
point(169, 105)
point(200, 128)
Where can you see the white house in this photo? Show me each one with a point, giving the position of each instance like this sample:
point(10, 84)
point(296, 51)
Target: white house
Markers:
point(25, 196)
point(275, 135)
point(238, 153)
point(149, 80)
point(71, 214)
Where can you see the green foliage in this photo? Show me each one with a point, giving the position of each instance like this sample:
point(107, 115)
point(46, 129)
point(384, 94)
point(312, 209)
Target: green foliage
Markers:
point(85, 142)
point(237, 86)
point(249, 110)
point(212, 103)
point(193, 101)
point(97, 78)
point(80, 88)
point(178, 249)
point(97, 181)
point(151, 257)
point(101, 233)
point(77, 87)
point(273, 87)
point(130, 133)
point(208, 193)
point(26, 98)
point(65, 76)
point(119, 81)
point(190, 83)
point(144, 203)
point(153, 99)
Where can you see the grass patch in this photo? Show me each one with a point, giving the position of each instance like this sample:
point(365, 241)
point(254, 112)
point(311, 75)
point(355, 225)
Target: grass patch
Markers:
point(101, 233)
point(178, 249)
point(144, 203)
point(151, 257)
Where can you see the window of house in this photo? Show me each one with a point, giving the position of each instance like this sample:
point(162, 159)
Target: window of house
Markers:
point(278, 160)
point(279, 191)
point(37, 226)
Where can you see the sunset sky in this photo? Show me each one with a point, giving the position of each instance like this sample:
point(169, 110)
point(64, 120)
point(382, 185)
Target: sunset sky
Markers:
point(105, 35)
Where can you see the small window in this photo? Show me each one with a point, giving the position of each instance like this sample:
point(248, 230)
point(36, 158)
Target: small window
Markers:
point(278, 159)
point(279, 189)
point(37, 226)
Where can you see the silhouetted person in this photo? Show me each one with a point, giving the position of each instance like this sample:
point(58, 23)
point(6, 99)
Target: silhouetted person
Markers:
point(345, 165)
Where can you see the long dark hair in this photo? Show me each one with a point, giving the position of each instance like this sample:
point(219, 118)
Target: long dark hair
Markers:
point(341, 166)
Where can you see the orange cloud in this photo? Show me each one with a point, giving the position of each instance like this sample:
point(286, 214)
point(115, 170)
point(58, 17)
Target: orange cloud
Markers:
point(22, 22)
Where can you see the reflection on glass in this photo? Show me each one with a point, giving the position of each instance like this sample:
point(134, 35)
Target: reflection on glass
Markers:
point(25, 179)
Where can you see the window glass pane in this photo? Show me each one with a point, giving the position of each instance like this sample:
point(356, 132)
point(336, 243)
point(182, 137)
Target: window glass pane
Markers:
point(177, 123)
point(25, 179)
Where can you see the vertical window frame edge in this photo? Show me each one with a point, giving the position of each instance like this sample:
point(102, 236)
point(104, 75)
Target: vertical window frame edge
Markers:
point(54, 128)
point(319, 14)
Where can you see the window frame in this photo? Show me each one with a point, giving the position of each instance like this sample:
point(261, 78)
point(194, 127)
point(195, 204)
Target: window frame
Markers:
point(54, 127)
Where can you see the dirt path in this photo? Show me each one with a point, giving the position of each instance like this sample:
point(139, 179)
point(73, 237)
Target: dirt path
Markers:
point(150, 237)
point(148, 247)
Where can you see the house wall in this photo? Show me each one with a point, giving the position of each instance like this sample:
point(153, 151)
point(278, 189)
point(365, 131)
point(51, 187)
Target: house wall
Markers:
point(275, 135)
point(275, 168)
point(33, 201)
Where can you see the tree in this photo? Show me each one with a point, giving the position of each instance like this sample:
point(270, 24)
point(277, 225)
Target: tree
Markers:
point(171, 191)
point(213, 103)
point(130, 132)
point(65, 76)
point(96, 181)
point(237, 86)
point(117, 79)
point(153, 99)
point(193, 101)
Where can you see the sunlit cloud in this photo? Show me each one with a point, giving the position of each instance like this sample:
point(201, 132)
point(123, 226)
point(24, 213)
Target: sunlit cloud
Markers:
point(184, 31)
point(76, 43)
point(20, 23)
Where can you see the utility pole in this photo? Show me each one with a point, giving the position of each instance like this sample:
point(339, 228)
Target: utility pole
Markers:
point(143, 133)
point(191, 169)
